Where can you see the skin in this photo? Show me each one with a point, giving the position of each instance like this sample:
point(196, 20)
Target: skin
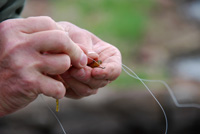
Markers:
point(86, 81)
point(35, 50)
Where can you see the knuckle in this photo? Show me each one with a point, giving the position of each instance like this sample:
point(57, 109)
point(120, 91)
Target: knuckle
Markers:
point(29, 86)
point(10, 43)
point(43, 20)
point(15, 44)
point(5, 25)
point(30, 80)
point(15, 47)
point(48, 19)
point(23, 65)
point(49, 22)
point(63, 41)
point(6, 30)
point(36, 63)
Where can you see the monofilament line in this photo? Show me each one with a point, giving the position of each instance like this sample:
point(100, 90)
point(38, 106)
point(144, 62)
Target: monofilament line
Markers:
point(61, 126)
point(137, 77)
point(191, 105)
point(124, 67)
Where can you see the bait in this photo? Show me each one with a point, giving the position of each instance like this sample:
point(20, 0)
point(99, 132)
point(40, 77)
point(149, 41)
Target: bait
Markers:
point(95, 63)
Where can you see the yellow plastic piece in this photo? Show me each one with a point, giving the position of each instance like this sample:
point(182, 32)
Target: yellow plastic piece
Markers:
point(57, 105)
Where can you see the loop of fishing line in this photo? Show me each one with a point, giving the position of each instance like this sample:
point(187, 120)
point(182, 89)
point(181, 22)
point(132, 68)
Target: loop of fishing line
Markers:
point(135, 76)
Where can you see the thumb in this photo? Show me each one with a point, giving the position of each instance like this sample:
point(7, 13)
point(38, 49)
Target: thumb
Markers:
point(91, 54)
point(82, 38)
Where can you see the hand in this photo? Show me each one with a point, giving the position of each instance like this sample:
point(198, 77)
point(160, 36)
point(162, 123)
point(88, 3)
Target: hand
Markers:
point(30, 49)
point(86, 81)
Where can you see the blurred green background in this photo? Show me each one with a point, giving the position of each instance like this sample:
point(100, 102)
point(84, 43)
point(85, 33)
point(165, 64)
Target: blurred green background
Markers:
point(122, 23)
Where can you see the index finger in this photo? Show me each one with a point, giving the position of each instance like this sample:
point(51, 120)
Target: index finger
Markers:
point(81, 37)
point(37, 24)
point(55, 41)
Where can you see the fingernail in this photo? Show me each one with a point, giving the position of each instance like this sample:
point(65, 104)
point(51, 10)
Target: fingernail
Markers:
point(91, 52)
point(83, 60)
point(92, 55)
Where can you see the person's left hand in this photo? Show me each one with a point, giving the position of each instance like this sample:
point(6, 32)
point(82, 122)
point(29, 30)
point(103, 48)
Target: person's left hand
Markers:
point(86, 81)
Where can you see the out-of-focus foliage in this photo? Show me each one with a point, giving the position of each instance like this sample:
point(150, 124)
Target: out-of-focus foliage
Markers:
point(120, 20)
point(123, 19)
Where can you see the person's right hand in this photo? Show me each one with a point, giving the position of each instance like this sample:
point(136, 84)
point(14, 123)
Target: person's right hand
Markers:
point(29, 49)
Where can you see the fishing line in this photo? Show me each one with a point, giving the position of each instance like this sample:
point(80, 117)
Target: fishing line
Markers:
point(132, 74)
point(124, 67)
point(61, 126)
point(191, 105)
point(57, 103)
point(136, 77)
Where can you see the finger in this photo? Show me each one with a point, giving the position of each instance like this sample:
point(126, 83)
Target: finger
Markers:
point(90, 54)
point(107, 51)
point(81, 37)
point(79, 88)
point(84, 76)
point(111, 71)
point(78, 35)
point(71, 94)
point(111, 61)
point(50, 87)
point(37, 24)
point(95, 84)
point(54, 64)
point(56, 41)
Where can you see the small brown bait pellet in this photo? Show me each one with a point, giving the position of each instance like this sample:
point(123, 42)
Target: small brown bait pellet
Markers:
point(96, 64)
